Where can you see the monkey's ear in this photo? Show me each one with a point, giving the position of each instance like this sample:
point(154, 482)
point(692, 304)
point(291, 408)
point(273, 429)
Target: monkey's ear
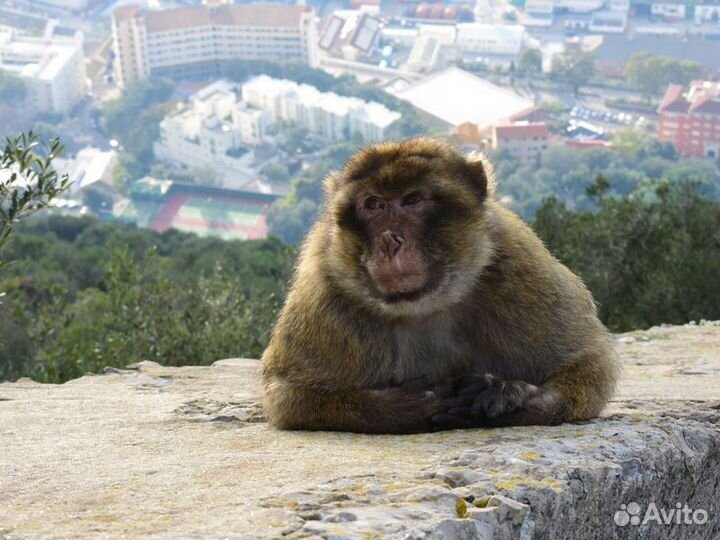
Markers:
point(332, 184)
point(481, 173)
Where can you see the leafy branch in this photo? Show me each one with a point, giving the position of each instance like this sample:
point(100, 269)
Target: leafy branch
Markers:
point(28, 181)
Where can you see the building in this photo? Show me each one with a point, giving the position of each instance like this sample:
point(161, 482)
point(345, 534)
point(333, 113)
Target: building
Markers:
point(690, 119)
point(215, 130)
point(524, 141)
point(90, 169)
point(668, 11)
point(324, 113)
point(193, 42)
point(349, 34)
point(539, 13)
point(461, 100)
point(707, 13)
point(73, 5)
point(609, 22)
point(490, 39)
point(578, 6)
point(52, 68)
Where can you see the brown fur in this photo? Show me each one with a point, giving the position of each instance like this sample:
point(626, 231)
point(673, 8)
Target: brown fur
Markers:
point(342, 359)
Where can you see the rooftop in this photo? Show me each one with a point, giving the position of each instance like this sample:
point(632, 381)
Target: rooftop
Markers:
point(456, 97)
point(372, 111)
point(90, 165)
point(40, 58)
point(124, 13)
point(491, 32)
point(700, 97)
point(522, 130)
point(256, 15)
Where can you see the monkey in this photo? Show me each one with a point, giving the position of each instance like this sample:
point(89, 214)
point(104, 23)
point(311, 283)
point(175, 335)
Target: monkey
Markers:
point(419, 303)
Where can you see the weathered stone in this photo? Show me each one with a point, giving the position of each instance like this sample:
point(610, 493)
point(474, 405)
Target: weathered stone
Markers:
point(185, 453)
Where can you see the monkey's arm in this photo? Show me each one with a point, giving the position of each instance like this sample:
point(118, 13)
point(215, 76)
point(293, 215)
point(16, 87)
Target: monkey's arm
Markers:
point(400, 409)
point(577, 391)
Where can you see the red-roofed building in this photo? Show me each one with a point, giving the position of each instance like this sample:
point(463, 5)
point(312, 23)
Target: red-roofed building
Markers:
point(522, 140)
point(690, 119)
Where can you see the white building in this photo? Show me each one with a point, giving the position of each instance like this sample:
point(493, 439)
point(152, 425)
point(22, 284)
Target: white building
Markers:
point(707, 13)
point(670, 11)
point(325, 113)
point(539, 12)
point(579, 6)
point(53, 69)
point(90, 169)
point(490, 38)
point(192, 42)
point(216, 129)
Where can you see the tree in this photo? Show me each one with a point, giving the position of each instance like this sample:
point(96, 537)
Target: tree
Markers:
point(28, 181)
point(12, 88)
point(574, 67)
point(134, 119)
point(530, 62)
point(651, 74)
point(276, 172)
point(83, 294)
point(649, 258)
point(290, 218)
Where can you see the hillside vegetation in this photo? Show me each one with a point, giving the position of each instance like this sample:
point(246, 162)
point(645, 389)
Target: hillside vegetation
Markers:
point(81, 295)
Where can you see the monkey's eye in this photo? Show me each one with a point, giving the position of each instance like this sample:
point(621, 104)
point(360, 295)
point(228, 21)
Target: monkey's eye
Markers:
point(412, 198)
point(374, 203)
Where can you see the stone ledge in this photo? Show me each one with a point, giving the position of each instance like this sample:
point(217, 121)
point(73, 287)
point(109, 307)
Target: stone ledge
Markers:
point(185, 453)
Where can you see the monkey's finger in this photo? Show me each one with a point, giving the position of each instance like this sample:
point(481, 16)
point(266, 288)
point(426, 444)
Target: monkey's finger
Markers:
point(450, 421)
point(474, 388)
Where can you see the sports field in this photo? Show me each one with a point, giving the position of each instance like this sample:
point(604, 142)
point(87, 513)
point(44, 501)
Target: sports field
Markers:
point(226, 217)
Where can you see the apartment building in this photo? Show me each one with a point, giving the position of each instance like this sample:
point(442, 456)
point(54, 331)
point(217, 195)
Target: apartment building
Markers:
point(193, 42)
point(52, 68)
point(325, 113)
point(523, 140)
point(690, 119)
point(216, 129)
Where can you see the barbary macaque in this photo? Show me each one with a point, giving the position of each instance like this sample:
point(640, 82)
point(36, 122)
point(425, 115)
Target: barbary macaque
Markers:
point(420, 303)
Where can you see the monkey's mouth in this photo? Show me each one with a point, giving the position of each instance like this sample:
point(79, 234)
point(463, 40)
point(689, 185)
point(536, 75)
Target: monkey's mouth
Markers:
point(394, 287)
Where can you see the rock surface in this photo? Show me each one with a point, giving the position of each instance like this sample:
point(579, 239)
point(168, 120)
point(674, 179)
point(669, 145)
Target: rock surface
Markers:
point(155, 452)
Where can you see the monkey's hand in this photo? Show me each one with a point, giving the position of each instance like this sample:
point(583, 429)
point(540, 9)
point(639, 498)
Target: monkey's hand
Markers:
point(485, 400)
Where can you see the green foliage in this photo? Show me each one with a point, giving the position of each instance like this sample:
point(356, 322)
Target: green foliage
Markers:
point(563, 172)
point(134, 120)
point(276, 172)
point(291, 217)
point(126, 171)
point(84, 295)
point(574, 67)
point(12, 88)
point(203, 175)
point(649, 258)
point(28, 182)
point(651, 74)
point(530, 62)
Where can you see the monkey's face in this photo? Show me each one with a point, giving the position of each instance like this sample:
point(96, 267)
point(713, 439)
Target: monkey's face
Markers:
point(409, 229)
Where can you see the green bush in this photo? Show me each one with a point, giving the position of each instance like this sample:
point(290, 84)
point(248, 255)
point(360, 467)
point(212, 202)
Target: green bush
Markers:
point(649, 258)
point(83, 295)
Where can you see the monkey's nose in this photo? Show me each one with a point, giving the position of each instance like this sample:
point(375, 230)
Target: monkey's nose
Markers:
point(392, 243)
